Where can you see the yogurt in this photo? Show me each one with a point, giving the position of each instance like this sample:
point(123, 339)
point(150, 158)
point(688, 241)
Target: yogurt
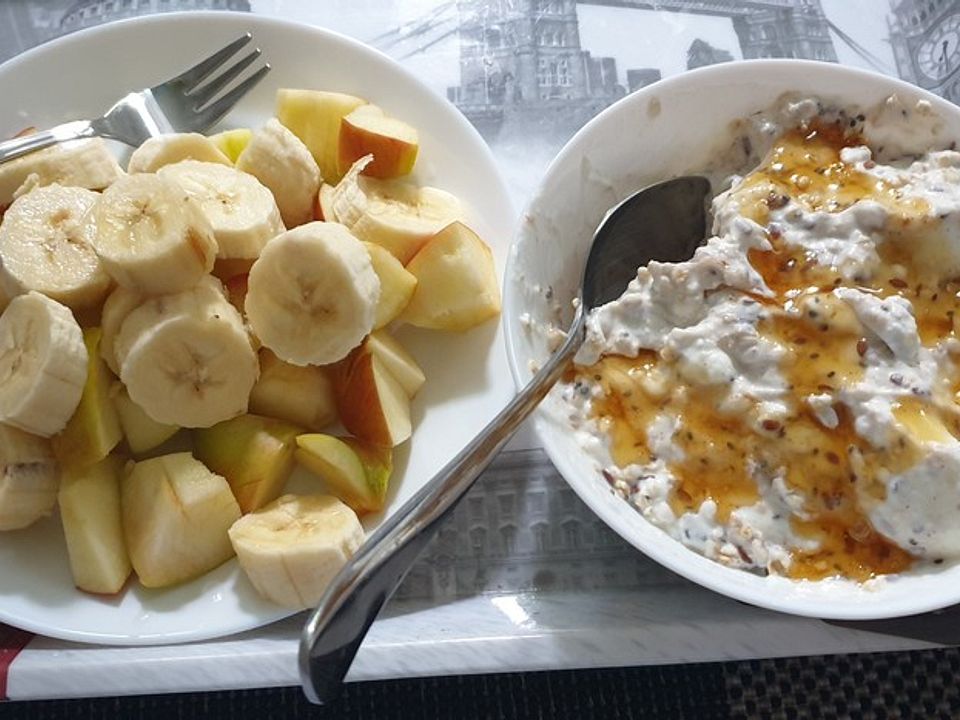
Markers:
point(785, 401)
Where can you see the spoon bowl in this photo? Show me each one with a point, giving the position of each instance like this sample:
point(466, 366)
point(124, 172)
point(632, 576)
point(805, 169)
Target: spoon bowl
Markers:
point(662, 222)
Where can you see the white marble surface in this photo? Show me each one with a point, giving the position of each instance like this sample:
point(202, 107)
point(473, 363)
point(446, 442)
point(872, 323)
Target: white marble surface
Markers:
point(481, 634)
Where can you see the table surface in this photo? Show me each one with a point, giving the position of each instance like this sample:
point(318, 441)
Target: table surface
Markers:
point(523, 576)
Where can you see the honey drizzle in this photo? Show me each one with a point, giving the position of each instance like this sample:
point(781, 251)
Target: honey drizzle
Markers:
point(836, 472)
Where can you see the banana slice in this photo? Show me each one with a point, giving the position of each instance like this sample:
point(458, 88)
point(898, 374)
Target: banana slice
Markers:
point(186, 359)
point(292, 548)
point(242, 212)
point(280, 160)
point(46, 244)
point(398, 215)
point(43, 364)
point(312, 295)
point(29, 478)
point(169, 149)
point(87, 164)
point(120, 303)
point(151, 236)
point(149, 312)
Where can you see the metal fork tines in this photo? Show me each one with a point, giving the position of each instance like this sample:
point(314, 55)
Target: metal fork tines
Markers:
point(193, 101)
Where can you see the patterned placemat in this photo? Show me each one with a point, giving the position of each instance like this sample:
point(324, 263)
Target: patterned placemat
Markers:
point(890, 685)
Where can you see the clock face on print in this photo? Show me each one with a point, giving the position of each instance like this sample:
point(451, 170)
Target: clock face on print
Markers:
point(939, 55)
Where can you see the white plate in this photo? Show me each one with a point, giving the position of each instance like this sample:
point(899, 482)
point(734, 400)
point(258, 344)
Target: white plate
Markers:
point(468, 378)
point(670, 129)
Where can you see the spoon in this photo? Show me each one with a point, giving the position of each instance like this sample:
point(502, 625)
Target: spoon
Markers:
point(663, 222)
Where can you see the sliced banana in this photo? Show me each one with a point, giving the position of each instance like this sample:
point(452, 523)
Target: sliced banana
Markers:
point(149, 312)
point(312, 294)
point(280, 160)
point(119, 303)
point(151, 236)
point(242, 212)
point(46, 244)
point(43, 364)
point(186, 359)
point(398, 215)
point(172, 148)
point(29, 478)
point(292, 548)
point(86, 163)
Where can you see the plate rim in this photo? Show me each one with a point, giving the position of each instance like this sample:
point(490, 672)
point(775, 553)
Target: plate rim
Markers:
point(478, 150)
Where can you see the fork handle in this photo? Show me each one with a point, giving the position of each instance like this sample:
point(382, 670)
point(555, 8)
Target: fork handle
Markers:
point(19, 146)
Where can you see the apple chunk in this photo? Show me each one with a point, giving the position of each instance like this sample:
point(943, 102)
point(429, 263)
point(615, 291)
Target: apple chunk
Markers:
point(368, 131)
point(456, 282)
point(314, 116)
point(94, 429)
point(356, 472)
point(142, 432)
point(302, 395)
point(232, 142)
point(176, 514)
point(373, 406)
point(90, 510)
point(396, 360)
point(396, 284)
point(253, 453)
point(324, 207)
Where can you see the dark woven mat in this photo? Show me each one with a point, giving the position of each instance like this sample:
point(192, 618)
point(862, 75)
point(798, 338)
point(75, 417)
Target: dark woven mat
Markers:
point(920, 685)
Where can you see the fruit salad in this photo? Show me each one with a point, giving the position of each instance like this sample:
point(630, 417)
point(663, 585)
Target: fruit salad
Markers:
point(179, 336)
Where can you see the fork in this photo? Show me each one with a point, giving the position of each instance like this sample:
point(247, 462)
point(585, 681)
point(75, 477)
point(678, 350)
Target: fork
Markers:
point(181, 104)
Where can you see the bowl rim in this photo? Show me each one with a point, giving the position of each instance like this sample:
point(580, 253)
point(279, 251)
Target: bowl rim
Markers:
point(686, 563)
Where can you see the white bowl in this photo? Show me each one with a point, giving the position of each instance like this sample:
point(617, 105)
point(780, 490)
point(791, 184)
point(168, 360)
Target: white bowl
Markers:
point(668, 129)
point(468, 381)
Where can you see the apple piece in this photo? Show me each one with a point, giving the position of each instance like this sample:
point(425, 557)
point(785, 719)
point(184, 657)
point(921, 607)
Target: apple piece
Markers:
point(356, 472)
point(176, 514)
point(324, 207)
point(456, 282)
point(90, 510)
point(396, 284)
point(254, 454)
point(232, 142)
point(368, 131)
point(226, 268)
point(94, 429)
point(398, 362)
point(372, 405)
point(302, 395)
point(314, 116)
point(236, 288)
point(141, 431)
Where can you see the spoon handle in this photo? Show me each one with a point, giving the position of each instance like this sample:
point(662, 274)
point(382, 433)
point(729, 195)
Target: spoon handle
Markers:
point(337, 627)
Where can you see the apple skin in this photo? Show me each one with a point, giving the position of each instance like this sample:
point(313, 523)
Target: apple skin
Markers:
point(314, 116)
point(393, 144)
point(253, 453)
point(356, 472)
point(372, 404)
